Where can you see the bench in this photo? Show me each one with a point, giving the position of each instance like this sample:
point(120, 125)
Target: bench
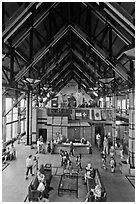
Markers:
point(91, 183)
point(47, 171)
point(33, 193)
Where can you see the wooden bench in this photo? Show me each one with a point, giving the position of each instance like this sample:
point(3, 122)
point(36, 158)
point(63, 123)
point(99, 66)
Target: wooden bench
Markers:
point(33, 193)
point(91, 183)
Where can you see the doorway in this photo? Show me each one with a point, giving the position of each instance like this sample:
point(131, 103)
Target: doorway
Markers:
point(74, 133)
point(99, 128)
point(43, 133)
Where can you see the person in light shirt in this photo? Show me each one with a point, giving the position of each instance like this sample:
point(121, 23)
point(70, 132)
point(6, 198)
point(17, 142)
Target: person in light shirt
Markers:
point(42, 189)
point(38, 145)
point(29, 165)
point(41, 177)
point(96, 192)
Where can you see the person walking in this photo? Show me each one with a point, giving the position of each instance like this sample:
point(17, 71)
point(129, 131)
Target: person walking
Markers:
point(78, 162)
point(71, 152)
point(36, 158)
point(29, 165)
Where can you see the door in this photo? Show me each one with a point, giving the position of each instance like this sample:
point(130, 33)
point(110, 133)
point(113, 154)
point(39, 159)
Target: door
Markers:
point(100, 129)
point(74, 133)
point(43, 133)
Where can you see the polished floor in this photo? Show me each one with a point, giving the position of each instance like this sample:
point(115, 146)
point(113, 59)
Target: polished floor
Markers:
point(15, 187)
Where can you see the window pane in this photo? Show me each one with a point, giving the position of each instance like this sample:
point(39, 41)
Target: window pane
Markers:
point(14, 130)
point(8, 132)
point(123, 104)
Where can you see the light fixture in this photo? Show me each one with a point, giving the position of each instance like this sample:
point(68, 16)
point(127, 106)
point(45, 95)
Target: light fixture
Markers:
point(106, 80)
point(101, 99)
point(130, 53)
point(95, 93)
point(31, 80)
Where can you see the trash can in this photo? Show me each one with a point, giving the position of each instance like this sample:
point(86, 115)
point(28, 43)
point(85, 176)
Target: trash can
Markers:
point(124, 167)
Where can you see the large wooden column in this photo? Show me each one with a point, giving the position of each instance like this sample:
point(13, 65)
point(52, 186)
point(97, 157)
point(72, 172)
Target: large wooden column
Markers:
point(3, 118)
point(114, 119)
point(132, 128)
point(93, 134)
point(19, 120)
point(29, 118)
point(104, 102)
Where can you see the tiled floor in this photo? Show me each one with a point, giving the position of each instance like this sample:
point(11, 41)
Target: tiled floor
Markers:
point(15, 187)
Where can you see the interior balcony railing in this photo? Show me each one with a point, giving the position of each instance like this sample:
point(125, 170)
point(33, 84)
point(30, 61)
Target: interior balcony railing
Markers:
point(104, 114)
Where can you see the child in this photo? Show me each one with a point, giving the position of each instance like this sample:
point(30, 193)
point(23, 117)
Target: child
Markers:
point(103, 155)
point(78, 162)
point(112, 164)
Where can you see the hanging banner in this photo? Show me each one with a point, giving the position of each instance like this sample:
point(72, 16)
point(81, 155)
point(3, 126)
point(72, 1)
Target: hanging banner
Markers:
point(54, 102)
point(81, 114)
point(72, 114)
point(104, 117)
point(78, 114)
point(85, 114)
point(108, 115)
point(97, 114)
point(90, 114)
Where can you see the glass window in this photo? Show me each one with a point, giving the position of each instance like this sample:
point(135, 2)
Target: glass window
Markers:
point(23, 126)
point(8, 117)
point(8, 103)
point(119, 104)
point(8, 132)
point(123, 104)
point(14, 129)
point(8, 106)
point(127, 103)
point(15, 113)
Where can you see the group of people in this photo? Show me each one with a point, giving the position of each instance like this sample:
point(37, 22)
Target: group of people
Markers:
point(67, 164)
point(107, 151)
point(95, 192)
point(90, 172)
point(112, 159)
point(40, 145)
point(43, 186)
point(9, 154)
point(86, 104)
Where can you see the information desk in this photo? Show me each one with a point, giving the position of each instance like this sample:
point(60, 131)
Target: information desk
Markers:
point(78, 148)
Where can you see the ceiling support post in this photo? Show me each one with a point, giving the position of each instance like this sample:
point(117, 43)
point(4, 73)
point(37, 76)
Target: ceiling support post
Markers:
point(131, 150)
point(29, 116)
point(11, 63)
point(3, 118)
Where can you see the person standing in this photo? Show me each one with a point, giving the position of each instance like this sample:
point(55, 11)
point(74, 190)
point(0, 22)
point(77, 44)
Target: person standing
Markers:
point(105, 145)
point(29, 165)
point(61, 155)
point(38, 145)
point(12, 152)
point(98, 138)
point(71, 152)
point(121, 151)
point(36, 158)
